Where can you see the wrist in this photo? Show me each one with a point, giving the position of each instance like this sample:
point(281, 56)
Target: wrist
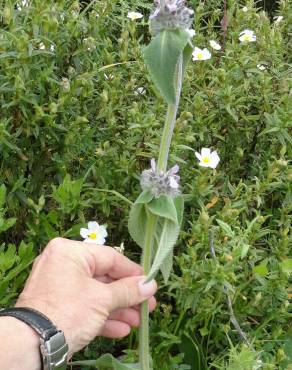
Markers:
point(19, 344)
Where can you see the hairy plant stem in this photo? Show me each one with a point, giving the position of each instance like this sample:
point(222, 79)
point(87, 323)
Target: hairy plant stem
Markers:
point(144, 352)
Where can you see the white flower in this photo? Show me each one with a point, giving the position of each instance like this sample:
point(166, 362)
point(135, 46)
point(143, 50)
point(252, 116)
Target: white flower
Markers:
point(95, 233)
point(247, 36)
point(208, 158)
point(52, 47)
point(42, 46)
point(23, 4)
point(244, 9)
point(201, 54)
point(258, 365)
point(140, 91)
point(108, 77)
point(191, 32)
point(278, 19)
point(215, 45)
point(120, 249)
point(261, 67)
point(134, 16)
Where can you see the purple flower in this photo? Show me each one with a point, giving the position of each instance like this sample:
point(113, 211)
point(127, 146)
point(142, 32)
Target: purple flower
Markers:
point(170, 15)
point(161, 183)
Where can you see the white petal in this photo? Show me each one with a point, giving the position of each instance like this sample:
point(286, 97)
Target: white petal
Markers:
point(175, 169)
point(206, 54)
point(102, 231)
point(100, 240)
point(153, 164)
point(173, 184)
point(203, 164)
point(198, 155)
point(196, 52)
point(93, 226)
point(248, 32)
point(205, 152)
point(90, 241)
point(84, 232)
point(215, 45)
point(134, 15)
point(191, 32)
point(214, 159)
point(278, 19)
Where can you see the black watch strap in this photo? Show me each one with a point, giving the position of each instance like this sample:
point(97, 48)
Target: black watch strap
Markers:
point(53, 346)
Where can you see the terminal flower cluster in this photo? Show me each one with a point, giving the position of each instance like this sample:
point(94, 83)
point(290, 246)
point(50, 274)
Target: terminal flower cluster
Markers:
point(160, 182)
point(169, 15)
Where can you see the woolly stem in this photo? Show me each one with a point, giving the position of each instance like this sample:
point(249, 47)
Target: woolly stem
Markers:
point(144, 352)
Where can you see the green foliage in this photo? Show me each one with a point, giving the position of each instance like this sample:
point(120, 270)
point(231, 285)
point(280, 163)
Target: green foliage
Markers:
point(107, 361)
point(13, 269)
point(161, 57)
point(5, 224)
point(170, 214)
point(76, 112)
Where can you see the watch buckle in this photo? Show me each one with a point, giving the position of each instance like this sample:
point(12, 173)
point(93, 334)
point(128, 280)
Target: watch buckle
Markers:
point(54, 351)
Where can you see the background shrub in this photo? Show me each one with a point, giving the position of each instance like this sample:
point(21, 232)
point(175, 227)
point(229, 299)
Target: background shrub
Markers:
point(74, 126)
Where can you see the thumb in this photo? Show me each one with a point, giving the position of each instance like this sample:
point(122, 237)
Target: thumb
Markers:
point(130, 291)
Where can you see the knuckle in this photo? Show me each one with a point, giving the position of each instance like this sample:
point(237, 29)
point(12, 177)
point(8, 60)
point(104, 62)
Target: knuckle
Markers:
point(55, 245)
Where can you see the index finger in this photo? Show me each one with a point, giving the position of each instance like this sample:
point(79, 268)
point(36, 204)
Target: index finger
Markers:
point(103, 260)
point(108, 261)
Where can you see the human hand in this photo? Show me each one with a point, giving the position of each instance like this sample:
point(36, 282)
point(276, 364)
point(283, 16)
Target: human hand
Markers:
point(87, 291)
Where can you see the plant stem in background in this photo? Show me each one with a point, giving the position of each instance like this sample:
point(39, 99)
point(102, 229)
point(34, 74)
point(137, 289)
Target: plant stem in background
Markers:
point(144, 353)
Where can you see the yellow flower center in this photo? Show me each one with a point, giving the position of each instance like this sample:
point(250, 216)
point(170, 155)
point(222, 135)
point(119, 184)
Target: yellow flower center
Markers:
point(206, 160)
point(92, 236)
point(247, 38)
point(200, 56)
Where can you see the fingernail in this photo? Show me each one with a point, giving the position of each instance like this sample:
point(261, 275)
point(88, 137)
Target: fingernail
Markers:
point(147, 289)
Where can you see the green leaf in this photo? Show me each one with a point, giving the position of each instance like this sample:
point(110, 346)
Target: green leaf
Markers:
point(2, 195)
point(287, 266)
point(187, 54)
point(161, 57)
point(261, 269)
point(168, 235)
point(145, 197)
point(164, 207)
point(244, 250)
point(137, 223)
point(226, 228)
point(6, 224)
point(108, 361)
point(179, 205)
point(166, 267)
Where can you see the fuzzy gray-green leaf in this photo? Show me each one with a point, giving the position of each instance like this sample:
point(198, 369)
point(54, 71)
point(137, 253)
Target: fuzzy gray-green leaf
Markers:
point(164, 207)
point(166, 266)
point(161, 57)
point(137, 223)
point(167, 233)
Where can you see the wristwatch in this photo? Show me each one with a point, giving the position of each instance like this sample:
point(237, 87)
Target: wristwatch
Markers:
point(53, 346)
